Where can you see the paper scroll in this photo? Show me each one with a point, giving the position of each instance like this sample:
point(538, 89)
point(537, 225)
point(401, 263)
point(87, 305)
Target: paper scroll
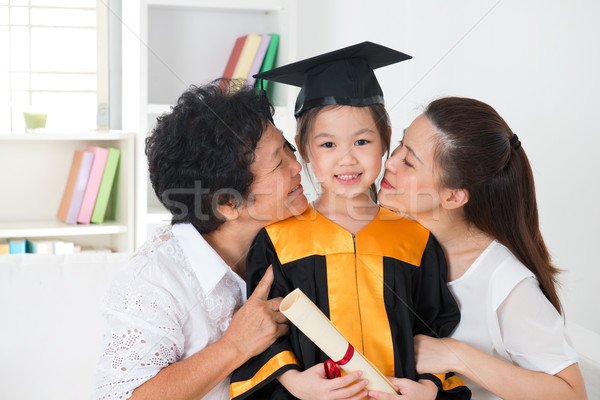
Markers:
point(317, 327)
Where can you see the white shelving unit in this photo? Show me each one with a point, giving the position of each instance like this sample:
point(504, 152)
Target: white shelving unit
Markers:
point(33, 172)
point(172, 44)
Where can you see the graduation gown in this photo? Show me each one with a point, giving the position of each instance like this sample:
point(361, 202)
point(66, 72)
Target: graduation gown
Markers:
point(379, 287)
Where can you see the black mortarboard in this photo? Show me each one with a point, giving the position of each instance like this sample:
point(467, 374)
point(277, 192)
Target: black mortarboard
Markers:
point(343, 76)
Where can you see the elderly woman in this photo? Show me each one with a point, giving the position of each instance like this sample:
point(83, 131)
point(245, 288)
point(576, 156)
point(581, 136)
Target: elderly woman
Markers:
point(177, 322)
point(463, 174)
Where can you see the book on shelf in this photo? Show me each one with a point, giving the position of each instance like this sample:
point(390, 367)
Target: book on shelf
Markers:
point(62, 247)
point(4, 247)
point(258, 59)
point(65, 203)
point(16, 246)
point(93, 184)
point(39, 246)
point(68, 211)
point(106, 185)
point(269, 59)
point(234, 57)
point(42, 246)
point(247, 56)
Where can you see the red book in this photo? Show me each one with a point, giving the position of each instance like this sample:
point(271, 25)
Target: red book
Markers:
point(234, 57)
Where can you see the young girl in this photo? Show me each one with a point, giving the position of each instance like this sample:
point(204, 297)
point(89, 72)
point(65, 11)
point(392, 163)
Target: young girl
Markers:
point(379, 277)
point(481, 205)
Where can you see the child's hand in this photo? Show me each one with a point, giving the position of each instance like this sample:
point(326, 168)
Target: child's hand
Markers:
point(312, 384)
point(411, 390)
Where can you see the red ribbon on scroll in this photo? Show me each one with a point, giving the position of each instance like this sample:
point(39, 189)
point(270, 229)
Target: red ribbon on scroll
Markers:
point(331, 367)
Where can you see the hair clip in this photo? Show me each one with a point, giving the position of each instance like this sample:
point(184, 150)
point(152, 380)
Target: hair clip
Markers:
point(514, 141)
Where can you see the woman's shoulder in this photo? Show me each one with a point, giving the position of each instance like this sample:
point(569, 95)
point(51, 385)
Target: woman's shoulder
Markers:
point(507, 272)
point(161, 238)
point(155, 269)
point(505, 262)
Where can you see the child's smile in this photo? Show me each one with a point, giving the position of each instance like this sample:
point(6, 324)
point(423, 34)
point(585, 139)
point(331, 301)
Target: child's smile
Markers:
point(345, 151)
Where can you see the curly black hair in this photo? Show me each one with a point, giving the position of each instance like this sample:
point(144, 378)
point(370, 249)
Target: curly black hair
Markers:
point(199, 154)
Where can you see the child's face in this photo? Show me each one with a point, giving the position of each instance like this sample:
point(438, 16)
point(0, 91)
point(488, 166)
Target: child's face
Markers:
point(345, 150)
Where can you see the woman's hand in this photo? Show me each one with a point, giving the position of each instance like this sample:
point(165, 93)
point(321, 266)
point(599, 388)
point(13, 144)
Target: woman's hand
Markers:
point(434, 356)
point(312, 384)
point(409, 389)
point(258, 323)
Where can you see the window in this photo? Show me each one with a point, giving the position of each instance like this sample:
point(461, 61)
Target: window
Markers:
point(49, 62)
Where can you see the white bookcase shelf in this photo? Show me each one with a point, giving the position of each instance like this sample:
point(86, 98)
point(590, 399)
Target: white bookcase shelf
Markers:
point(33, 173)
point(229, 5)
point(176, 43)
point(51, 228)
point(57, 136)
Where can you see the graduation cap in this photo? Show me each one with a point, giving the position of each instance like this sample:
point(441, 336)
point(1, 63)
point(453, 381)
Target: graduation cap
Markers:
point(343, 76)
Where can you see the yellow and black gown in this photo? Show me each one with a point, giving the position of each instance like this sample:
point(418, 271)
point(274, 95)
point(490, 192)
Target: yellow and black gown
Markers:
point(379, 287)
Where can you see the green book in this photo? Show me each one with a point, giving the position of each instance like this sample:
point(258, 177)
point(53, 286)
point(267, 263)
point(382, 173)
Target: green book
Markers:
point(106, 185)
point(269, 60)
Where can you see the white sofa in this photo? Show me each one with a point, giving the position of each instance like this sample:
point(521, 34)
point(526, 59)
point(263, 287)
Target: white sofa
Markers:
point(51, 328)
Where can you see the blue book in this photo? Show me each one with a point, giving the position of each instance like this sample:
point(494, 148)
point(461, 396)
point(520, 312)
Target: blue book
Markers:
point(16, 246)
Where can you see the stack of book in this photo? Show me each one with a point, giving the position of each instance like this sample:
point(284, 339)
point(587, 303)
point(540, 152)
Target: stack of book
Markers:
point(89, 185)
point(251, 54)
point(43, 246)
point(12, 246)
point(85, 200)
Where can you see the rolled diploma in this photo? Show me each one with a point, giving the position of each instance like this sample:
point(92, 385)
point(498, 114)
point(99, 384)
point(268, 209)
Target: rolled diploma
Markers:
point(303, 313)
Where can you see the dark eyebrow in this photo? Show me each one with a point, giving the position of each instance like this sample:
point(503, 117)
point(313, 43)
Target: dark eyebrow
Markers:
point(323, 134)
point(364, 130)
point(411, 151)
point(357, 133)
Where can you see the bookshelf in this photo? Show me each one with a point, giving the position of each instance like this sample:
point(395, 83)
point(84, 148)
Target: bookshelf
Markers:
point(33, 173)
point(172, 44)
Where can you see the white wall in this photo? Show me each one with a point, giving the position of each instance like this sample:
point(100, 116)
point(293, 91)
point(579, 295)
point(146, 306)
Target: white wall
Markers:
point(537, 62)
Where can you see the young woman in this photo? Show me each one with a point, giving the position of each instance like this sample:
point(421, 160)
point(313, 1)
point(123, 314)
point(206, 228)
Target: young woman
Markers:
point(379, 292)
point(177, 322)
point(463, 174)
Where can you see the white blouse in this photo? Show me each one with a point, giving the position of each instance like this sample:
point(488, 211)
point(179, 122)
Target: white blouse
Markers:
point(505, 314)
point(173, 298)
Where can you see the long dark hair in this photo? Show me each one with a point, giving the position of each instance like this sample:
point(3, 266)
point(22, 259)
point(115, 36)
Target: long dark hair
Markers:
point(477, 151)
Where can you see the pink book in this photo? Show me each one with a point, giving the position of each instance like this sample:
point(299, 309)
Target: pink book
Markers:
point(258, 60)
point(93, 184)
point(82, 178)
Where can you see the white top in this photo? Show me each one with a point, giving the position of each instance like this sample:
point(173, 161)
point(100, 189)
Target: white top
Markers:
point(505, 314)
point(173, 298)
